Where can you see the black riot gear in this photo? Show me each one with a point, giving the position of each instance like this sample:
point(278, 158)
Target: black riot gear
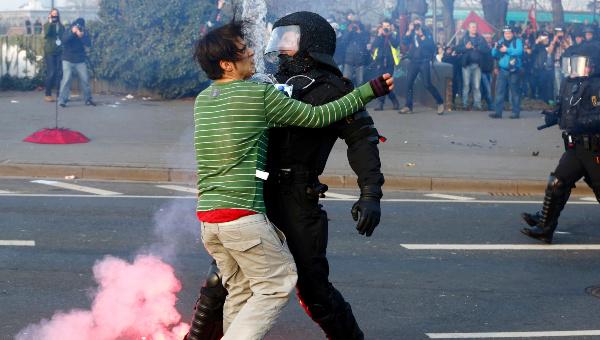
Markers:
point(317, 37)
point(578, 115)
point(297, 156)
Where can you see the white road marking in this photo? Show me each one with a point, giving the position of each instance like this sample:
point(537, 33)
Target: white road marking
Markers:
point(179, 188)
point(4, 192)
point(450, 197)
point(77, 188)
point(340, 196)
point(512, 334)
point(17, 243)
point(389, 200)
point(589, 199)
point(501, 246)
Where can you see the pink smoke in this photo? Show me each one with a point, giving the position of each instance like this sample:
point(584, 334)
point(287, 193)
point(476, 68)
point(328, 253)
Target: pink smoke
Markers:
point(133, 301)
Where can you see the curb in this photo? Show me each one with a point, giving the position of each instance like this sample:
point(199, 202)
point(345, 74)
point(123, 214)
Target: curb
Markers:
point(147, 174)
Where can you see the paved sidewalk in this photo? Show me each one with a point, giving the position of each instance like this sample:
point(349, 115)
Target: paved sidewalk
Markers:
point(135, 139)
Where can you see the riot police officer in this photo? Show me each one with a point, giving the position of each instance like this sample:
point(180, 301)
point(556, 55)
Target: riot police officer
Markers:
point(578, 115)
point(303, 44)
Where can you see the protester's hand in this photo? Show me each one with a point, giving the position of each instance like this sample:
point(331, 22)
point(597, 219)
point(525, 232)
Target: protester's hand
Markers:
point(74, 29)
point(503, 49)
point(382, 85)
point(411, 27)
point(496, 71)
point(50, 18)
point(469, 45)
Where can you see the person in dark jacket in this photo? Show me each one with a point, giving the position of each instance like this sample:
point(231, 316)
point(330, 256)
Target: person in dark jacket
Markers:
point(75, 40)
point(386, 56)
point(356, 54)
point(420, 54)
point(543, 67)
point(451, 57)
point(53, 32)
point(472, 47)
point(487, 67)
point(296, 157)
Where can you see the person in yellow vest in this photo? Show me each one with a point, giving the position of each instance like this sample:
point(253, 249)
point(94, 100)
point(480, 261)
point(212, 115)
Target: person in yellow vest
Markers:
point(386, 55)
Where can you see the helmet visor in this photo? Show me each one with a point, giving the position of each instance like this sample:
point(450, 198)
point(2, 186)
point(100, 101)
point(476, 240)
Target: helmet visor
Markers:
point(283, 40)
point(581, 66)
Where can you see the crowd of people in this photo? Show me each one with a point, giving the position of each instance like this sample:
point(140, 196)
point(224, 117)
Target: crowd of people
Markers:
point(520, 61)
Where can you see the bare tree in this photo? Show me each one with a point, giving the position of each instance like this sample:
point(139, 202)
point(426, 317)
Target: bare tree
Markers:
point(558, 15)
point(448, 16)
point(494, 11)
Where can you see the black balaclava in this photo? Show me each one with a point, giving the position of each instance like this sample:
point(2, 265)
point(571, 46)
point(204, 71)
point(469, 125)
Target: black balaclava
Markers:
point(317, 45)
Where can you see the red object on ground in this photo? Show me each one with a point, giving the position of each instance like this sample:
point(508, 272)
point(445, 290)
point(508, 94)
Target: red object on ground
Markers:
point(483, 26)
point(222, 215)
point(56, 136)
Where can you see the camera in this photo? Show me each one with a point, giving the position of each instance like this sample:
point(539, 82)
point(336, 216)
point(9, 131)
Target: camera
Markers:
point(386, 30)
point(79, 27)
point(417, 26)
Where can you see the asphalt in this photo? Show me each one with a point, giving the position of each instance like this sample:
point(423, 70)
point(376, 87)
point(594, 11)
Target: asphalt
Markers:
point(395, 292)
point(142, 139)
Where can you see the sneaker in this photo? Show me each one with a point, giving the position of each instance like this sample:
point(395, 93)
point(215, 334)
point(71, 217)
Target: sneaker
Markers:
point(494, 116)
point(62, 105)
point(89, 102)
point(405, 110)
point(514, 116)
point(440, 109)
point(49, 99)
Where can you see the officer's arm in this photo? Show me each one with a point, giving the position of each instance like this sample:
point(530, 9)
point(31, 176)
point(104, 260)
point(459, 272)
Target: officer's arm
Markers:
point(362, 138)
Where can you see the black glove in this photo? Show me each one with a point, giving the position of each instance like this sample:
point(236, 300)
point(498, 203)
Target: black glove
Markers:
point(369, 210)
point(550, 118)
point(379, 86)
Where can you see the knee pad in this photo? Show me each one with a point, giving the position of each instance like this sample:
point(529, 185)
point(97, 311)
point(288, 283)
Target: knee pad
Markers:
point(555, 185)
point(213, 278)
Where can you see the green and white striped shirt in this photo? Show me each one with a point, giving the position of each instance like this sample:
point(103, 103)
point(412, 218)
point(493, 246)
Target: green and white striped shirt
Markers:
point(231, 122)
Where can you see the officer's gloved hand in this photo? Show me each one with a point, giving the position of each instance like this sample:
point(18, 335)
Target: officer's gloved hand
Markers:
point(550, 118)
point(367, 210)
point(382, 85)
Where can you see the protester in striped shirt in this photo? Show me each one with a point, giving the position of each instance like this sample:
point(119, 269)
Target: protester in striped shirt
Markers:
point(232, 117)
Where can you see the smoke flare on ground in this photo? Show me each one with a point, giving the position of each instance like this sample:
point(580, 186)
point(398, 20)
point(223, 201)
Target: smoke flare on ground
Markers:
point(133, 301)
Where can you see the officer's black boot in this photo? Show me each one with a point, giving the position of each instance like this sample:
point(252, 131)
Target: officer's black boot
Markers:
point(207, 322)
point(554, 201)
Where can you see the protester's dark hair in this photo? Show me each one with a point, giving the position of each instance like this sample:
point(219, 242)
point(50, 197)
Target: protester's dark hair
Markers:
point(220, 44)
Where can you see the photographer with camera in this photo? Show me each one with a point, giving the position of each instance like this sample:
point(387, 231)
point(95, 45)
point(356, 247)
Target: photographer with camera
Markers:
point(421, 50)
point(356, 54)
point(386, 56)
point(556, 49)
point(74, 40)
point(509, 52)
point(543, 67)
point(53, 32)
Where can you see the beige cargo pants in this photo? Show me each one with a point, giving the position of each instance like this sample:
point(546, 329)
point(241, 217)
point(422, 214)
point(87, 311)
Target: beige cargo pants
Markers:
point(258, 271)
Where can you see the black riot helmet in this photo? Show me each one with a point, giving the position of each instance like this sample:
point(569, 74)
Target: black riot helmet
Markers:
point(313, 36)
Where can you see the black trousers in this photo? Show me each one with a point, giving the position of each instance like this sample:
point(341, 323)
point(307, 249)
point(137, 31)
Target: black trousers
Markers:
point(300, 217)
point(424, 68)
point(53, 73)
point(579, 162)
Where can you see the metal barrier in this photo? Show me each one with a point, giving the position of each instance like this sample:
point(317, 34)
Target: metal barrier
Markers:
point(21, 56)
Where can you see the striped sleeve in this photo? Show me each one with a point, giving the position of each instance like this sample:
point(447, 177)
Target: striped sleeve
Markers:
point(283, 111)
